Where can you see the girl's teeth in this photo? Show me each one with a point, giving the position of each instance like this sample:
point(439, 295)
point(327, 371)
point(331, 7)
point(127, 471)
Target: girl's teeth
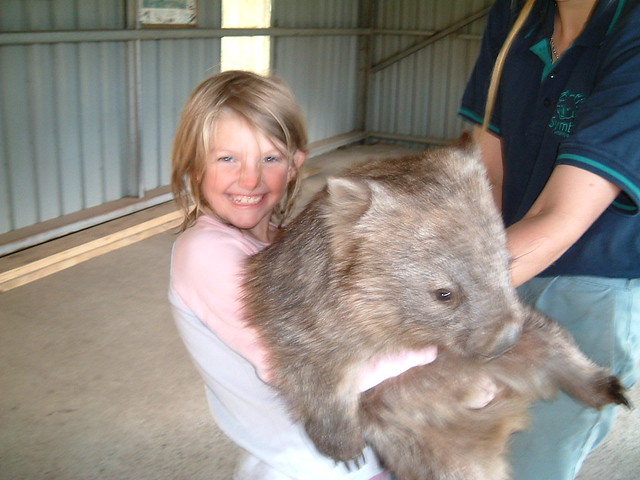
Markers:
point(246, 200)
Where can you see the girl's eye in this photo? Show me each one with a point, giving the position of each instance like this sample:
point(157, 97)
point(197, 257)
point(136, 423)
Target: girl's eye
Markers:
point(272, 159)
point(225, 159)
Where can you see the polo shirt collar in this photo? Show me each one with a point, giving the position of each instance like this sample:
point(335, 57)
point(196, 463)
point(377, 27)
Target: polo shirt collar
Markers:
point(602, 22)
point(604, 19)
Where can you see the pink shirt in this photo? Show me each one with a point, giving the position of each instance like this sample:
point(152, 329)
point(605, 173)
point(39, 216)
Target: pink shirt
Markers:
point(207, 266)
point(204, 293)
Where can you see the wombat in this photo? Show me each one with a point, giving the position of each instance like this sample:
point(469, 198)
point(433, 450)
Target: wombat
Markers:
point(394, 256)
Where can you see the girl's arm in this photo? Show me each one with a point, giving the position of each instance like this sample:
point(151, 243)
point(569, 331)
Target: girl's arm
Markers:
point(207, 276)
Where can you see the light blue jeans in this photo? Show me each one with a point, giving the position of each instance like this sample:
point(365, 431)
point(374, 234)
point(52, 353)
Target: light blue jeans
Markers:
point(603, 315)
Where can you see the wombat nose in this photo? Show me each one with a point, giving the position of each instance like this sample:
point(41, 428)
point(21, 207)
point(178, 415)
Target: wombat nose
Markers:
point(493, 341)
point(506, 339)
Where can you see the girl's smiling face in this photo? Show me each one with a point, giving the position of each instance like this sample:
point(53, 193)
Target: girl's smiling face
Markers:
point(246, 175)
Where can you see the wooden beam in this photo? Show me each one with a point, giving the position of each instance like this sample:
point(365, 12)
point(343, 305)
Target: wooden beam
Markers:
point(73, 256)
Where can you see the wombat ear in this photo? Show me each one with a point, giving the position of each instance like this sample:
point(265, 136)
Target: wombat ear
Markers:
point(466, 142)
point(349, 198)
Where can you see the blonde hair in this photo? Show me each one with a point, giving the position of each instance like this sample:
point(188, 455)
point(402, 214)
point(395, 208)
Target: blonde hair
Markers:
point(496, 74)
point(267, 103)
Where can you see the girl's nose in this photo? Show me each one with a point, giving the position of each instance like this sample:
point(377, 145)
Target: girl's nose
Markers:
point(250, 175)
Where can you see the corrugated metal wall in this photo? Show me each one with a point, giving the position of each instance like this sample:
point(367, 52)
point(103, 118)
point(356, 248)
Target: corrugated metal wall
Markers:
point(322, 70)
point(419, 95)
point(59, 102)
point(89, 103)
point(170, 69)
point(88, 121)
point(39, 15)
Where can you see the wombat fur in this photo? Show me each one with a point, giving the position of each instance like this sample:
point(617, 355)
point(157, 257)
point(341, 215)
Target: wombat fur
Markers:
point(395, 255)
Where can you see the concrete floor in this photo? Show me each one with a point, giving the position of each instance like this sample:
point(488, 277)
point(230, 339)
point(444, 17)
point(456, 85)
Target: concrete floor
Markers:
point(95, 383)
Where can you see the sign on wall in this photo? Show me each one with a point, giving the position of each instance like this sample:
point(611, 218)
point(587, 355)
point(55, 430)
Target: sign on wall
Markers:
point(168, 13)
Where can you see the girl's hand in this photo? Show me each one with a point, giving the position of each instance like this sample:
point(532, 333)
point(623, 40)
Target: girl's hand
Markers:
point(390, 366)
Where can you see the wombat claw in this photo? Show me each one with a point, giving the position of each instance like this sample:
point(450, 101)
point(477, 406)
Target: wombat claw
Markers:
point(354, 464)
point(617, 392)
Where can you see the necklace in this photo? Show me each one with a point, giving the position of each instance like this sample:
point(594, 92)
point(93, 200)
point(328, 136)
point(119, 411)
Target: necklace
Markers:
point(554, 52)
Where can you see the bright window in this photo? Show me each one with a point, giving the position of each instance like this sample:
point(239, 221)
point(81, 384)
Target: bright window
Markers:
point(246, 53)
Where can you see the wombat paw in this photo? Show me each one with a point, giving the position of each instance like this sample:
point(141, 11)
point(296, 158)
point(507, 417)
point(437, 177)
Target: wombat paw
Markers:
point(617, 392)
point(598, 390)
point(355, 464)
point(603, 390)
point(344, 451)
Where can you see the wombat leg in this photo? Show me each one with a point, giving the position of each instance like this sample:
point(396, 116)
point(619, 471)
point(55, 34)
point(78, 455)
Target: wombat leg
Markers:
point(547, 358)
point(332, 423)
point(326, 402)
point(335, 437)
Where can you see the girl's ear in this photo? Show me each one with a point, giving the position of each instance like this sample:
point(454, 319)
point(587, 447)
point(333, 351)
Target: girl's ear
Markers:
point(299, 157)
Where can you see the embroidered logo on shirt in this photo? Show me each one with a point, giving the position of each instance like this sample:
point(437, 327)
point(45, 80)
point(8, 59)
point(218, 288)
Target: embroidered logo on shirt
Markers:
point(562, 121)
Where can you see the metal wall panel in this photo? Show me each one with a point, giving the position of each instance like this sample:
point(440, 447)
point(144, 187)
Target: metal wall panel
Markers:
point(419, 95)
point(316, 13)
point(65, 129)
point(325, 81)
point(38, 15)
point(170, 70)
point(85, 123)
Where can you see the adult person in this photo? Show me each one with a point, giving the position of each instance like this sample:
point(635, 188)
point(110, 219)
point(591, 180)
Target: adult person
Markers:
point(555, 96)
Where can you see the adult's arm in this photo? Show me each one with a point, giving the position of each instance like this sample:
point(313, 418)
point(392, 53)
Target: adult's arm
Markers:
point(492, 157)
point(570, 202)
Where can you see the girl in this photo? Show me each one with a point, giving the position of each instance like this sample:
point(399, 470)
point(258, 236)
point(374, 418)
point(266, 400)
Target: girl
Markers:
point(236, 155)
point(557, 86)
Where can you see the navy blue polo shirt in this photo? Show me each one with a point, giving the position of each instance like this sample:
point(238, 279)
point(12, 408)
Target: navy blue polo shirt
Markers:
point(584, 111)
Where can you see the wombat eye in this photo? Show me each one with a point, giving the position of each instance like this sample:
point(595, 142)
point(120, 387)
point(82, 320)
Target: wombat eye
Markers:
point(444, 295)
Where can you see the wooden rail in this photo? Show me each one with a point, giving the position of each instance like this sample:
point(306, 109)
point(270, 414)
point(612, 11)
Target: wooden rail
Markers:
point(68, 258)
